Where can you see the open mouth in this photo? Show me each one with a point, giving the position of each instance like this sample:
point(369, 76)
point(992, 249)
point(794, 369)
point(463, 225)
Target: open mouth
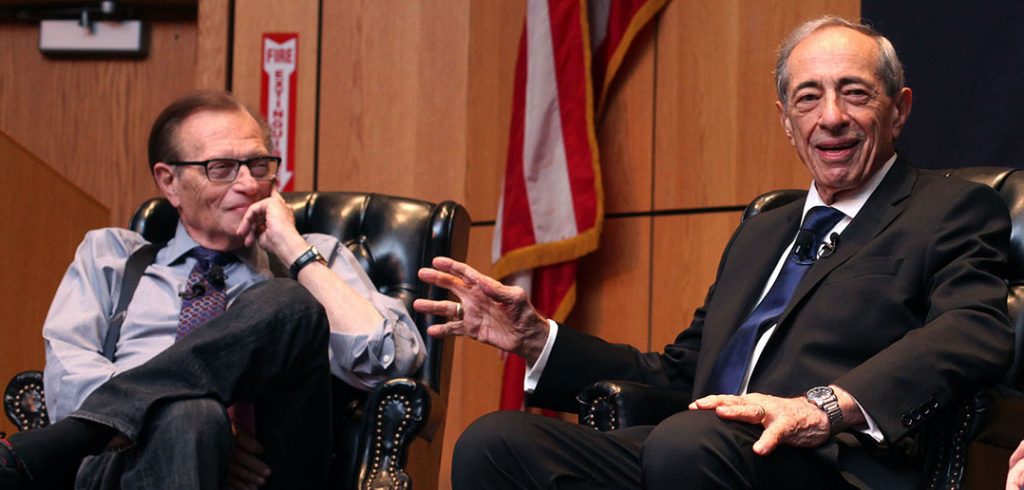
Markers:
point(837, 150)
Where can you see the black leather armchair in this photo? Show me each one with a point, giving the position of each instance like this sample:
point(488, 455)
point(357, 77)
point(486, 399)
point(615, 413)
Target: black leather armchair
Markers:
point(392, 237)
point(983, 429)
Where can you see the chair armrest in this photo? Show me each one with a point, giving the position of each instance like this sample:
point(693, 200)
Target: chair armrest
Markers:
point(992, 417)
point(1003, 424)
point(395, 413)
point(25, 402)
point(610, 405)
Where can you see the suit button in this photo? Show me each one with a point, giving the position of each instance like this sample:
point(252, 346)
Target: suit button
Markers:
point(907, 420)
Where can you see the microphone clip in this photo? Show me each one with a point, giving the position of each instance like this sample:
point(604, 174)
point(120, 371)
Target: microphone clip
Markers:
point(193, 292)
point(828, 248)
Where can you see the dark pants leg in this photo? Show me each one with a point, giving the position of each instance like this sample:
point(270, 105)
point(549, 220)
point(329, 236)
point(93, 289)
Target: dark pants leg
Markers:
point(690, 450)
point(704, 451)
point(270, 347)
point(185, 445)
point(520, 450)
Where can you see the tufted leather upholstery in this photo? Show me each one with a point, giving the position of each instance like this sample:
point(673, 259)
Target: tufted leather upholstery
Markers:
point(983, 429)
point(392, 237)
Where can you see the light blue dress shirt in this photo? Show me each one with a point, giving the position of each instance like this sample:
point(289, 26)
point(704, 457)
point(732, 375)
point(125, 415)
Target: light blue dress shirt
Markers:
point(79, 315)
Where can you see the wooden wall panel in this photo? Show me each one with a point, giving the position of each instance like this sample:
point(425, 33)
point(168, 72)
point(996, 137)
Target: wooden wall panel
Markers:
point(613, 282)
point(393, 97)
point(494, 30)
point(90, 119)
point(718, 140)
point(686, 250)
point(212, 44)
point(42, 219)
point(624, 132)
point(253, 18)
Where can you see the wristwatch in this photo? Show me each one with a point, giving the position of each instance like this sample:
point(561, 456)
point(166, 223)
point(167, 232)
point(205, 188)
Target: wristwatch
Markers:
point(825, 398)
point(308, 257)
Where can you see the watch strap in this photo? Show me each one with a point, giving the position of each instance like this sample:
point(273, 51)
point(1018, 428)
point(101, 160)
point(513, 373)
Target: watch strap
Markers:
point(308, 257)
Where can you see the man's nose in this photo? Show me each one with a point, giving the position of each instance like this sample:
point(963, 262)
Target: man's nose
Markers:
point(833, 113)
point(244, 181)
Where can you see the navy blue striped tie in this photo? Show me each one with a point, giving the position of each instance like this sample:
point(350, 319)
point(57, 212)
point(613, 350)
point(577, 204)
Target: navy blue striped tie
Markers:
point(732, 362)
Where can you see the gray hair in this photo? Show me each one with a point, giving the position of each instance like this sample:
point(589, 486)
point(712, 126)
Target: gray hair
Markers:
point(890, 69)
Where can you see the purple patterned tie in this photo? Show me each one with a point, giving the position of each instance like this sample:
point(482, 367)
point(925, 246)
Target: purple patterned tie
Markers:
point(204, 298)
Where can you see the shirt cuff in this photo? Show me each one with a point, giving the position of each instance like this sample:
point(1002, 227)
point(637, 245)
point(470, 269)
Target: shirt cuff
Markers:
point(533, 372)
point(872, 431)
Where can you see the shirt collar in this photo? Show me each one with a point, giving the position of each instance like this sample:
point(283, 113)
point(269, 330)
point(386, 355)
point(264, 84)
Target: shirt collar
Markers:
point(178, 247)
point(850, 205)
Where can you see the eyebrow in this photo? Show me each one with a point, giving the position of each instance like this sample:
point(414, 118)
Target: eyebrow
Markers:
point(844, 81)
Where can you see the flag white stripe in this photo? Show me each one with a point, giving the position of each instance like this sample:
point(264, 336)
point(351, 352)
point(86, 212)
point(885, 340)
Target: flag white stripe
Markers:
point(544, 162)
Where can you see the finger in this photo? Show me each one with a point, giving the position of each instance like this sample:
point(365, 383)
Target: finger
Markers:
point(432, 307)
point(250, 468)
point(767, 443)
point(1017, 454)
point(247, 442)
point(751, 414)
point(714, 401)
point(460, 270)
point(440, 279)
point(442, 330)
point(241, 477)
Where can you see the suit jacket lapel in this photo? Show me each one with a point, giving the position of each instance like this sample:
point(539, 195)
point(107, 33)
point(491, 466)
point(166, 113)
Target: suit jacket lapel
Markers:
point(884, 205)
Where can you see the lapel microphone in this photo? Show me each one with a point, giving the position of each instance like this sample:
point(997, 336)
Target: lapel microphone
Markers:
point(193, 292)
point(830, 247)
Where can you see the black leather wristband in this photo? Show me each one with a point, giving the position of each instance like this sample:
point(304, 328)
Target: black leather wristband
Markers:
point(308, 257)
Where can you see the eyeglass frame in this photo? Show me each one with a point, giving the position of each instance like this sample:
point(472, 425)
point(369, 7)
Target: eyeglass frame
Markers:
point(238, 165)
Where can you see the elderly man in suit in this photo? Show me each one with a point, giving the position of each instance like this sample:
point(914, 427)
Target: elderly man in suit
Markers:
point(836, 325)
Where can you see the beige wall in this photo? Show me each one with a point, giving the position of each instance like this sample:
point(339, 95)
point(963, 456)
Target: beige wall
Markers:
point(414, 99)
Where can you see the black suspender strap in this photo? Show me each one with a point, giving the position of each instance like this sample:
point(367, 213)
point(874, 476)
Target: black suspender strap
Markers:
point(137, 263)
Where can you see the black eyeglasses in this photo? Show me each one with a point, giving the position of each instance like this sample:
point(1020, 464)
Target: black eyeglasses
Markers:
point(226, 169)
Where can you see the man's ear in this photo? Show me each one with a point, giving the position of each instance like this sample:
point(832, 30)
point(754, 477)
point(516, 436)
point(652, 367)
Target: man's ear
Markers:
point(167, 180)
point(901, 110)
point(786, 124)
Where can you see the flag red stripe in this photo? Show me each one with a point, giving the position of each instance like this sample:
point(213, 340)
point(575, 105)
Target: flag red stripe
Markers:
point(516, 221)
point(570, 63)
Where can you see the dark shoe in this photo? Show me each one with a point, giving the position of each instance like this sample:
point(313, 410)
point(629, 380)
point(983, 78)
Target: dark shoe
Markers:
point(13, 473)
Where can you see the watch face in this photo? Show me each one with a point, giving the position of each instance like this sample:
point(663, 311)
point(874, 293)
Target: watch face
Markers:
point(819, 393)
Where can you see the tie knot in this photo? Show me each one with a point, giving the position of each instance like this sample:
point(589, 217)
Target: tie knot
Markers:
point(818, 222)
point(208, 258)
point(821, 219)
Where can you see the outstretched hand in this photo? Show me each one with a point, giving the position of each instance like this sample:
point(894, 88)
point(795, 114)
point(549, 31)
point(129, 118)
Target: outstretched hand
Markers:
point(492, 312)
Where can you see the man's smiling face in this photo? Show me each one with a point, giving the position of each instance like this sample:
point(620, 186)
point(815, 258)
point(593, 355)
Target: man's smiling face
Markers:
point(837, 113)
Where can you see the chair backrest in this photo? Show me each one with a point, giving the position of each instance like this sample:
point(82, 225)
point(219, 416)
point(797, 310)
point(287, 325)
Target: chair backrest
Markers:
point(392, 237)
point(1009, 182)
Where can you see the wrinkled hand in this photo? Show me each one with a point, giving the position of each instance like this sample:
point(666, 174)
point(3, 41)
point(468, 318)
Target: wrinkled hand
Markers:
point(790, 421)
point(271, 222)
point(246, 470)
point(493, 313)
point(1015, 478)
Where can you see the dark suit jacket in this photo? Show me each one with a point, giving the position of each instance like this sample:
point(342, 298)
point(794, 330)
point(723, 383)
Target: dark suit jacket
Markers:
point(908, 313)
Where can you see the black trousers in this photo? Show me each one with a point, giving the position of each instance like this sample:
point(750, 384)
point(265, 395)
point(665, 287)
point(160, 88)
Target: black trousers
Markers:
point(693, 449)
point(268, 348)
